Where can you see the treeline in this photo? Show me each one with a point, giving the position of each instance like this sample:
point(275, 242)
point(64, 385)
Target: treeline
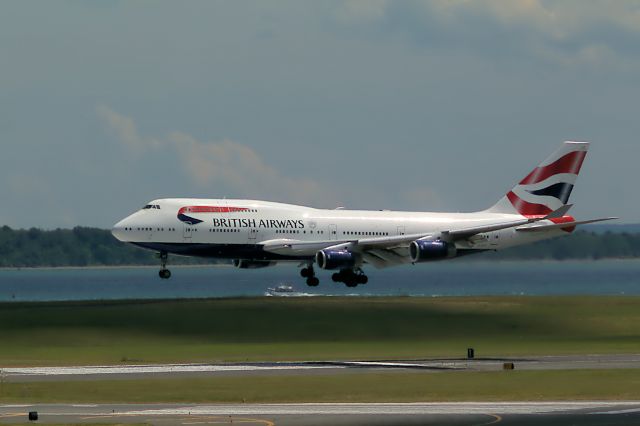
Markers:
point(97, 247)
point(578, 245)
point(73, 247)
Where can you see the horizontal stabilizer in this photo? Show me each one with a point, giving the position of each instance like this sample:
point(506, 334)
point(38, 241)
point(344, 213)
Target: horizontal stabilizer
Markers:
point(559, 212)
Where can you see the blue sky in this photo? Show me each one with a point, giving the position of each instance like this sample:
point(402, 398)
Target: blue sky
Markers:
point(439, 105)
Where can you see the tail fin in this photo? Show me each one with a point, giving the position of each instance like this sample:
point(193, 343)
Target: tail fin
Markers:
point(548, 186)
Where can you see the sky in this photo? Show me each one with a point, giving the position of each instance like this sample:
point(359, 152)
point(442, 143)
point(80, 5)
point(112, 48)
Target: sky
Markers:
point(403, 105)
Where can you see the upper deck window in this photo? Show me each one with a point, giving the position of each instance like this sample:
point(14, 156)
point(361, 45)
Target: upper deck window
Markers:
point(151, 206)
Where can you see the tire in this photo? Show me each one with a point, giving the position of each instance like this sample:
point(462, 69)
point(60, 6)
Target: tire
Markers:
point(313, 281)
point(335, 277)
point(304, 273)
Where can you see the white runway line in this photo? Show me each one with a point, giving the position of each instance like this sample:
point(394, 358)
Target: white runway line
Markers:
point(443, 408)
point(152, 369)
point(386, 409)
point(629, 411)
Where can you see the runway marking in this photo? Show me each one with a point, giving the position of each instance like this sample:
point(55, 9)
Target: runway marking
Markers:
point(226, 422)
point(202, 419)
point(387, 408)
point(6, 416)
point(256, 413)
point(156, 369)
point(629, 411)
point(102, 416)
point(496, 419)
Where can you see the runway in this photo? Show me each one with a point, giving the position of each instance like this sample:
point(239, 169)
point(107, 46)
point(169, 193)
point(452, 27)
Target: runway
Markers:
point(465, 413)
point(25, 374)
point(335, 414)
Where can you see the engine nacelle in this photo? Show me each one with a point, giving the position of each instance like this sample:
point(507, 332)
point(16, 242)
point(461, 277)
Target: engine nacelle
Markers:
point(425, 251)
point(252, 264)
point(335, 259)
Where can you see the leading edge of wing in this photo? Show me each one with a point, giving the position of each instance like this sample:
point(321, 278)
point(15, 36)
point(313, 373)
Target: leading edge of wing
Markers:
point(309, 248)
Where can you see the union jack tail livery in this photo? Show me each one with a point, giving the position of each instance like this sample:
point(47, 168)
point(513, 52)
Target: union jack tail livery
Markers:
point(548, 187)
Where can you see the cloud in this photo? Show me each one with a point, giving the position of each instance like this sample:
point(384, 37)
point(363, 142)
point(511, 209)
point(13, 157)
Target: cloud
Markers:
point(126, 131)
point(361, 10)
point(565, 30)
point(229, 164)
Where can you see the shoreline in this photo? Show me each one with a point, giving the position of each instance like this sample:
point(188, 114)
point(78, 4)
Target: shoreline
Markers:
point(224, 265)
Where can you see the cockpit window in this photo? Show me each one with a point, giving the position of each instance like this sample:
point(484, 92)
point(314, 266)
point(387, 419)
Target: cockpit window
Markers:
point(151, 206)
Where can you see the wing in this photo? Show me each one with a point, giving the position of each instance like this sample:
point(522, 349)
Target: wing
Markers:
point(537, 228)
point(383, 252)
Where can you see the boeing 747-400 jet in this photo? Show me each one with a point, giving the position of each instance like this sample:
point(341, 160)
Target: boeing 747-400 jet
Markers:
point(257, 234)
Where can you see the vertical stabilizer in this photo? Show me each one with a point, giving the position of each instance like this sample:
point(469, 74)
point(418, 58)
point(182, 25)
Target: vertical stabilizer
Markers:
point(548, 186)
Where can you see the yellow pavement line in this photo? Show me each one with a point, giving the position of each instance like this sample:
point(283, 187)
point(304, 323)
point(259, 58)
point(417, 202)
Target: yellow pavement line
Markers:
point(225, 420)
point(496, 419)
point(6, 416)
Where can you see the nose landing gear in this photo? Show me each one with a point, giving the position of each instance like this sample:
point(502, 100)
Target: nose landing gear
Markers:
point(310, 275)
point(164, 273)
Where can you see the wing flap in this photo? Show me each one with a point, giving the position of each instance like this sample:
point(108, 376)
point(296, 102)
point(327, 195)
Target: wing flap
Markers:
point(538, 228)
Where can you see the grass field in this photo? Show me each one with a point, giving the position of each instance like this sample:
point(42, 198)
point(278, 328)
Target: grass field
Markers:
point(388, 387)
point(313, 329)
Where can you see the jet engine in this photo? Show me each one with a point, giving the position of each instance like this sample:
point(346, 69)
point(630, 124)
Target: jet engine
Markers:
point(425, 251)
point(252, 264)
point(335, 259)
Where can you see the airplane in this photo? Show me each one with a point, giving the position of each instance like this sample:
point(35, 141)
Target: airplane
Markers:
point(257, 234)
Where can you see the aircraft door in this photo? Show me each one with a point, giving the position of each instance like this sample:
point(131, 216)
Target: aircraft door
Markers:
point(187, 232)
point(333, 232)
point(253, 234)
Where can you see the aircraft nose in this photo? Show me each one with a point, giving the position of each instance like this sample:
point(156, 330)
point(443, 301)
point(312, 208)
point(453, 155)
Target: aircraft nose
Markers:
point(118, 229)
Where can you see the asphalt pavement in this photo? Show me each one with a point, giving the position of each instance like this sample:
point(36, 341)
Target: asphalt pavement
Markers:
point(463, 413)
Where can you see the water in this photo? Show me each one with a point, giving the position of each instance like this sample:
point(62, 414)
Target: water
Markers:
point(453, 278)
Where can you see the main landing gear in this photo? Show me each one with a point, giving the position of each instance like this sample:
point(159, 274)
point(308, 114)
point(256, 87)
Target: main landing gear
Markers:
point(350, 277)
point(310, 275)
point(164, 272)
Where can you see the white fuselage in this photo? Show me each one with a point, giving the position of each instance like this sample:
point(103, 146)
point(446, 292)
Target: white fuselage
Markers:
point(230, 228)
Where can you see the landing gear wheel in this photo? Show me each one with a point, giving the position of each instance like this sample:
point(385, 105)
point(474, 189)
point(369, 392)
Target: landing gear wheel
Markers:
point(350, 277)
point(310, 275)
point(351, 282)
point(306, 272)
point(164, 272)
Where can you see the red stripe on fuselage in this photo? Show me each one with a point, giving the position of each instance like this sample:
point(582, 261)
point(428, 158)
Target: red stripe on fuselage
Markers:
point(211, 209)
point(569, 163)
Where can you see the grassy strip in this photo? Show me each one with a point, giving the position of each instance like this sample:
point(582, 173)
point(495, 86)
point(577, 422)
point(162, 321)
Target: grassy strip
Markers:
point(389, 387)
point(313, 328)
